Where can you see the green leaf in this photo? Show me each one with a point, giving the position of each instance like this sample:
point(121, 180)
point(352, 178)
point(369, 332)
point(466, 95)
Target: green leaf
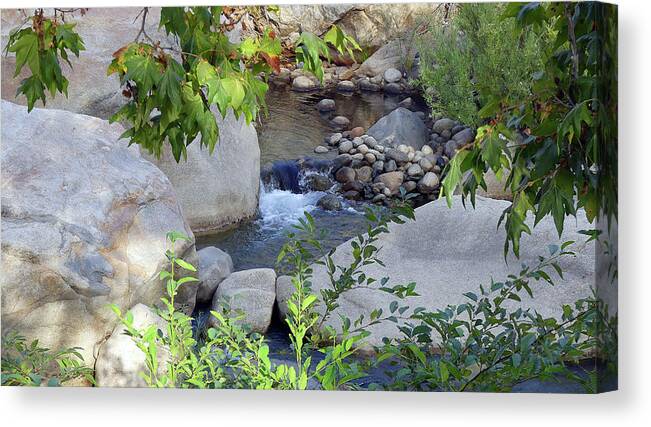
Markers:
point(26, 49)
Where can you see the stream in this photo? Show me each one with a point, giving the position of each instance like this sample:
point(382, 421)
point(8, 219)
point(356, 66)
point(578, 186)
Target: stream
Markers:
point(292, 129)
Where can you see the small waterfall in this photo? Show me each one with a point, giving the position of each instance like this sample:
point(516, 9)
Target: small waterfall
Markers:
point(284, 176)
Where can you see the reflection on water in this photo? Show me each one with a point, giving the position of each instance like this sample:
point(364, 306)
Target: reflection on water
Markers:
point(294, 126)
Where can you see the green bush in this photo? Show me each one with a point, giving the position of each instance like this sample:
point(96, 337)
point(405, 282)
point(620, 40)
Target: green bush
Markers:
point(32, 365)
point(476, 55)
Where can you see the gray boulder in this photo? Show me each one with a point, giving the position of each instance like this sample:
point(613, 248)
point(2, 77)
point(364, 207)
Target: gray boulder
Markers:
point(248, 292)
point(461, 252)
point(214, 266)
point(345, 86)
point(84, 220)
point(463, 137)
point(391, 55)
point(120, 361)
point(401, 126)
point(220, 189)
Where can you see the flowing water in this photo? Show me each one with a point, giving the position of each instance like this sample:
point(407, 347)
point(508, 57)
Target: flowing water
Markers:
point(291, 130)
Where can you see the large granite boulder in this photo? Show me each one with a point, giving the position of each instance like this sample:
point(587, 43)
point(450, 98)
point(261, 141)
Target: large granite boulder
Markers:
point(251, 292)
point(84, 220)
point(120, 361)
point(372, 25)
point(401, 126)
point(220, 189)
point(448, 252)
point(91, 91)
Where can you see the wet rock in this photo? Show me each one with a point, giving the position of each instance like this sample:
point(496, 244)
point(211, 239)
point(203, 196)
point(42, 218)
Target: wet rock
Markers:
point(366, 86)
point(345, 174)
point(341, 122)
point(329, 202)
point(352, 195)
point(341, 161)
point(393, 89)
point(346, 86)
point(353, 186)
point(326, 105)
point(303, 84)
point(379, 198)
point(316, 182)
point(320, 149)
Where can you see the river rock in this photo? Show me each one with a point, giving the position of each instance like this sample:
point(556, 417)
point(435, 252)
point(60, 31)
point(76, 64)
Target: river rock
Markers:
point(392, 180)
point(409, 186)
point(442, 125)
point(370, 158)
point(356, 132)
point(428, 183)
point(391, 75)
point(365, 173)
point(345, 146)
point(329, 202)
point(341, 122)
point(120, 361)
point(321, 149)
point(390, 165)
point(251, 292)
point(463, 251)
point(408, 103)
point(368, 86)
point(464, 137)
point(335, 138)
point(396, 89)
point(326, 105)
point(84, 220)
point(345, 86)
point(401, 126)
point(415, 170)
point(214, 266)
point(425, 164)
point(341, 161)
point(427, 150)
point(317, 182)
point(397, 156)
point(345, 174)
point(303, 84)
point(220, 189)
point(362, 149)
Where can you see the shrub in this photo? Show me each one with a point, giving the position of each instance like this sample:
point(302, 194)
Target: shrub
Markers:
point(476, 55)
point(32, 365)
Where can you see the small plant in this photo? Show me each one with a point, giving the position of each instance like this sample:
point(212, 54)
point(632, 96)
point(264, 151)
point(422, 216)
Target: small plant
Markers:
point(492, 344)
point(41, 47)
point(30, 364)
